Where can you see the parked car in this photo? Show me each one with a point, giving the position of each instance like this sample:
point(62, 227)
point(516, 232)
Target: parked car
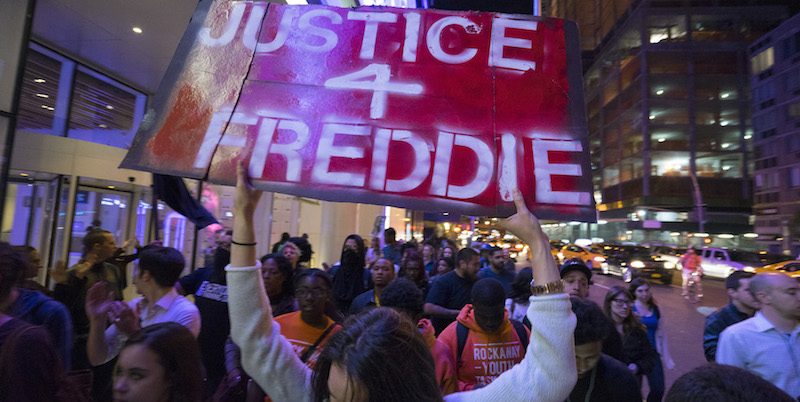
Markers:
point(590, 256)
point(791, 268)
point(635, 261)
point(721, 262)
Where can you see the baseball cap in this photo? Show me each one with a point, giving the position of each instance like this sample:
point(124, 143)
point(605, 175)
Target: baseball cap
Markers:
point(575, 264)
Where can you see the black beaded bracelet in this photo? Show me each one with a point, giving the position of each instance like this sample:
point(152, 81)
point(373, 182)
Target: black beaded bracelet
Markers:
point(242, 244)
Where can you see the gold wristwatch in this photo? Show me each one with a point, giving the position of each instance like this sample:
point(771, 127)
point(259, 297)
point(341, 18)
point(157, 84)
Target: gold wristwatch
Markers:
point(548, 288)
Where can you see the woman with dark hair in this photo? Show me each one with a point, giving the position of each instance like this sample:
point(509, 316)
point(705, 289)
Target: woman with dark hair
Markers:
point(309, 328)
point(348, 276)
point(375, 362)
point(276, 273)
point(160, 362)
point(448, 251)
point(547, 373)
point(413, 269)
point(646, 308)
point(443, 266)
point(517, 302)
point(637, 352)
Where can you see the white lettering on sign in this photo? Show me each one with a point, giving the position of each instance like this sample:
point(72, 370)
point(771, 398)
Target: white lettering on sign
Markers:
point(507, 167)
point(214, 135)
point(330, 37)
point(280, 37)
point(290, 150)
point(412, 37)
point(234, 18)
point(543, 170)
point(500, 41)
point(380, 86)
point(421, 166)
point(441, 166)
point(326, 150)
point(305, 28)
point(435, 41)
point(370, 29)
point(253, 26)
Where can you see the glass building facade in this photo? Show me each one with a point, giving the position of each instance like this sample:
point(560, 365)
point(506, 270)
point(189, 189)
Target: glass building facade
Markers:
point(667, 100)
point(775, 87)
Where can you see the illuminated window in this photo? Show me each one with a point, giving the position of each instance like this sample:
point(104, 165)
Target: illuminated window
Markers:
point(762, 61)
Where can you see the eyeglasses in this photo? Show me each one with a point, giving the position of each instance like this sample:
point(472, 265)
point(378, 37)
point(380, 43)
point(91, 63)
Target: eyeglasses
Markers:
point(315, 293)
point(622, 302)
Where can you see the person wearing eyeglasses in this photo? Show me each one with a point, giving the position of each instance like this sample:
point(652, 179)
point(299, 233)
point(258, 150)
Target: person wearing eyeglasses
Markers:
point(309, 328)
point(637, 352)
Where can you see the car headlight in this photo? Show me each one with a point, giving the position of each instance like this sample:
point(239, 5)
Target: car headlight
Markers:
point(637, 264)
point(599, 259)
point(669, 265)
point(749, 269)
point(561, 255)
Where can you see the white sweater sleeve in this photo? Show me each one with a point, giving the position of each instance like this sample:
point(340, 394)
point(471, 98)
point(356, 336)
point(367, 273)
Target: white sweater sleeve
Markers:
point(266, 354)
point(547, 373)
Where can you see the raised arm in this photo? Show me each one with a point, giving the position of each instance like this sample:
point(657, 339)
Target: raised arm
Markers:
point(266, 355)
point(547, 373)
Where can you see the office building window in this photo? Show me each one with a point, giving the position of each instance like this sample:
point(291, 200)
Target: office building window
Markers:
point(791, 45)
point(99, 109)
point(713, 164)
point(712, 28)
point(104, 111)
point(666, 28)
point(763, 93)
point(762, 61)
point(44, 101)
point(793, 111)
point(794, 176)
point(669, 163)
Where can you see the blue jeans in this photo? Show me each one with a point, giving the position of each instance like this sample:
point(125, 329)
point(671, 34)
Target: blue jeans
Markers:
point(655, 381)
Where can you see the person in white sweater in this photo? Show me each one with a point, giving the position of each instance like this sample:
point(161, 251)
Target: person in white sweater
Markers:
point(347, 373)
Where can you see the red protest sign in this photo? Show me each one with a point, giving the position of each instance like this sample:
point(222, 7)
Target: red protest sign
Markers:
point(425, 109)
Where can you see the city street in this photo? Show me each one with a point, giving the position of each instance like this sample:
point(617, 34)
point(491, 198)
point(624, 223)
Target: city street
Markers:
point(684, 320)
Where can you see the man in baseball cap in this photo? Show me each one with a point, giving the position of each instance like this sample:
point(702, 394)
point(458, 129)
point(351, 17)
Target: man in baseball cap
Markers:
point(577, 278)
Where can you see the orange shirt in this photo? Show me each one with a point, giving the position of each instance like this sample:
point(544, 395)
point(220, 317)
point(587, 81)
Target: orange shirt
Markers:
point(302, 335)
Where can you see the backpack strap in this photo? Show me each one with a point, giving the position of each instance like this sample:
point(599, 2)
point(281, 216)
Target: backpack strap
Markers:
point(461, 335)
point(521, 333)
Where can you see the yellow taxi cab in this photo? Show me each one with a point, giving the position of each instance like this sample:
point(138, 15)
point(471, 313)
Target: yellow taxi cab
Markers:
point(791, 268)
point(589, 255)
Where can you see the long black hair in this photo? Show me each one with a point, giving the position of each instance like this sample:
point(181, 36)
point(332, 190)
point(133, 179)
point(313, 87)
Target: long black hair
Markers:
point(384, 353)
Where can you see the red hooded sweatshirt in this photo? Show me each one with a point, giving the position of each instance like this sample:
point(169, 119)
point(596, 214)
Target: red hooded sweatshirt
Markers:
point(442, 358)
point(485, 356)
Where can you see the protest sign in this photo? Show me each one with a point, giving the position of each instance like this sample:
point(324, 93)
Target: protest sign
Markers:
point(424, 109)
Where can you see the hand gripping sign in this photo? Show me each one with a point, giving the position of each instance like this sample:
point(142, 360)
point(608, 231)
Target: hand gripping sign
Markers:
point(424, 109)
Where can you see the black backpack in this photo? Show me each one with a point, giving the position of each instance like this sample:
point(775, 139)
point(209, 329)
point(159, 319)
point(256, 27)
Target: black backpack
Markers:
point(462, 332)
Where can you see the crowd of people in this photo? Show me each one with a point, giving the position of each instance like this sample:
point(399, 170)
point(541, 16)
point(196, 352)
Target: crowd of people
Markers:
point(402, 322)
